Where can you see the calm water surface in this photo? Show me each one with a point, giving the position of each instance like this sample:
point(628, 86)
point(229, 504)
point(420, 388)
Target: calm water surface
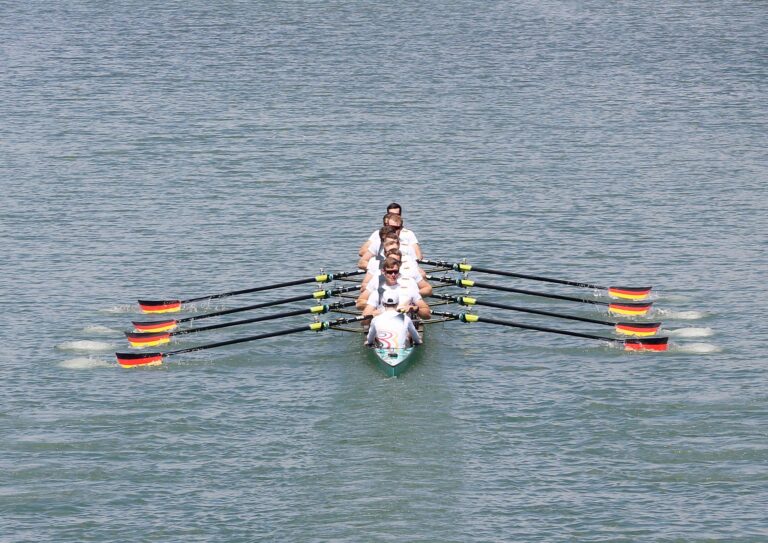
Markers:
point(183, 149)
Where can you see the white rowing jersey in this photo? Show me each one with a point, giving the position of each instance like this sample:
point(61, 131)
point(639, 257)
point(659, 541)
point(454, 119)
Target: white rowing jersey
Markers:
point(408, 267)
point(407, 242)
point(407, 291)
point(392, 330)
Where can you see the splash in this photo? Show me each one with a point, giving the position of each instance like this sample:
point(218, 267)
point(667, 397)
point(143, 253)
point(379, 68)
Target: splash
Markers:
point(697, 348)
point(84, 364)
point(691, 332)
point(85, 345)
point(120, 309)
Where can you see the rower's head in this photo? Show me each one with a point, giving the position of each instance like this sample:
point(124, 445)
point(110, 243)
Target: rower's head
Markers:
point(388, 232)
point(394, 252)
point(394, 220)
point(389, 244)
point(390, 268)
point(394, 207)
point(390, 300)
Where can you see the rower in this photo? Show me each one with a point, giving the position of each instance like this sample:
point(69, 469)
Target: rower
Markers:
point(408, 268)
point(392, 329)
point(390, 279)
point(407, 237)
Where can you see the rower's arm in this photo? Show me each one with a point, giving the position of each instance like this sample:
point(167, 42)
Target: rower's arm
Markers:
point(417, 251)
point(362, 300)
point(425, 289)
point(363, 262)
point(424, 311)
point(364, 248)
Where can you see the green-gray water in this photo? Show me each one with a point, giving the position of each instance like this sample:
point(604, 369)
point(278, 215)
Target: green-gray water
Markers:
point(180, 149)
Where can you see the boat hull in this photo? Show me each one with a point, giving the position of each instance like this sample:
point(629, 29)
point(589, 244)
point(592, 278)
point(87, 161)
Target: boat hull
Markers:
point(393, 362)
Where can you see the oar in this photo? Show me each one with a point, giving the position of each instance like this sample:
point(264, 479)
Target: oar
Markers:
point(625, 328)
point(174, 306)
point(618, 308)
point(170, 324)
point(152, 339)
point(633, 344)
point(626, 293)
point(132, 360)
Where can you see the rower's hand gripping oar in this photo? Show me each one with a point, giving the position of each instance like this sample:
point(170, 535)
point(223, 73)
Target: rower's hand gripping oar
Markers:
point(630, 344)
point(625, 293)
point(174, 306)
point(133, 360)
point(152, 339)
point(617, 308)
point(170, 324)
point(625, 328)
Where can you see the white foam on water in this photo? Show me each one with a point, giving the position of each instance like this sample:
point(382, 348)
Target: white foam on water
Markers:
point(86, 345)
point(696, 348)
point(119, 309)
point(691, 332)
point(681, 315)
point(98, 329)
point(84, 364)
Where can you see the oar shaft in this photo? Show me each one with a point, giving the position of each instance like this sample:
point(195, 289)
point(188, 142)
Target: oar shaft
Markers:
point(468, 283)
point(317, 294)
point(324, 278)
point(240, 340)
point(464, 300)
point(285, 314)
point(475, 318)
point(536, 278)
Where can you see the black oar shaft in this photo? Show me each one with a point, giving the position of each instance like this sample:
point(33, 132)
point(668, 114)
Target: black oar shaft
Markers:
point(475, 318)
point(467, 283)
point(315, 326)
point(459, 299)
point(319, 278)
point(267, 304)
point(282, 315)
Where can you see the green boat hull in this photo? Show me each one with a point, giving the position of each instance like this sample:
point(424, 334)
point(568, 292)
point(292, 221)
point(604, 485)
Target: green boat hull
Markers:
point(393, 362)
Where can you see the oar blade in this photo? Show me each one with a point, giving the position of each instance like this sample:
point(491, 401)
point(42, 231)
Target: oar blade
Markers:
point(155, 326)
point(629, 293)
point(160, 306)
point(630, 308)
point(147, 339)
point(639, 329)
point(135, 360)
point(647, 344)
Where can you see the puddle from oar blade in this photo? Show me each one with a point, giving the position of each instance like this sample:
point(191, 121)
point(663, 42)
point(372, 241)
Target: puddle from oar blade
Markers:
point(691, 332)
point(681, 315)
point(86, 345)
point(696, 348)
point(101, 330)
point(84, 364)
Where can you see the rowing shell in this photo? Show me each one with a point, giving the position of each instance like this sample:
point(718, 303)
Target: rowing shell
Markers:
point(393, 362)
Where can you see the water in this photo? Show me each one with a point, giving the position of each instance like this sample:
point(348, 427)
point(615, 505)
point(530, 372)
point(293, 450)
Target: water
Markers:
point(184, 149)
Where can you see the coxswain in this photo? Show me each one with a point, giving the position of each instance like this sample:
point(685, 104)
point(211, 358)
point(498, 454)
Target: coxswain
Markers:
point(392, 329)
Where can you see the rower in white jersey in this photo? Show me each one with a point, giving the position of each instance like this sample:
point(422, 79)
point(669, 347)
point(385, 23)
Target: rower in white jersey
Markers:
point(407, 237)
point(392, 329)
point(408, 267)
point(391, 280)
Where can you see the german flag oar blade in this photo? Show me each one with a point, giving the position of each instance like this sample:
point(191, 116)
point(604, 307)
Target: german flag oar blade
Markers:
point(148, 339)
point(134, 360)
point(630, 308)
point(637, 328)
point(160, 306)
point(647, 344)
point(155, 326)
point(629, 293)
